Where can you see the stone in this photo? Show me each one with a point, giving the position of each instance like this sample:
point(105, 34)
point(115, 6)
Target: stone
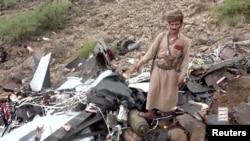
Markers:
point(178, 134)
point(195, 128)
point(200, 40)
point(95, 22)
point(107, 38)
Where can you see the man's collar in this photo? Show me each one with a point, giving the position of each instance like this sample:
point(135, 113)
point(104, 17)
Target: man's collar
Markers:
point(173, 39)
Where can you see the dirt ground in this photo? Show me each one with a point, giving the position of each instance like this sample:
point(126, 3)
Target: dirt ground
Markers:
point(238, 91)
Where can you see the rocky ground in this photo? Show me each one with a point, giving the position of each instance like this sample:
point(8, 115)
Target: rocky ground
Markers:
point(140, 19)
point(237, 92)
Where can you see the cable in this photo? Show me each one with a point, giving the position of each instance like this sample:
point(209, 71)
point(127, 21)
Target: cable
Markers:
point(61, 102)
point(157, 123)
point(103, 118)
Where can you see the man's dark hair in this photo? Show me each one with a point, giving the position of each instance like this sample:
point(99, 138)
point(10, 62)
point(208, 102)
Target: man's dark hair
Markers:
point(173, 16)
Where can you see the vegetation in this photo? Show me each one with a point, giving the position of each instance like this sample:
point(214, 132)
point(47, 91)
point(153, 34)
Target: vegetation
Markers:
point(232, 12)
point(6, 4)
point(87, 48)
point(22, 25)
point(115, 47)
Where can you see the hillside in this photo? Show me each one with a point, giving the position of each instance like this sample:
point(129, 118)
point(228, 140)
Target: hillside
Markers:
point(140, 19)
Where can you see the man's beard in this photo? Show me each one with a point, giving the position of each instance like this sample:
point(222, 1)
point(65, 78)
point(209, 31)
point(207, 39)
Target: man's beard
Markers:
point(174, 31)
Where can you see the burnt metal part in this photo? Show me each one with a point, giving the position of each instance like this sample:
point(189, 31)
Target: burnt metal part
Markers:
point(205, 95)
point(190, 109)
point(60, 133)
point(212, 67)
point(10, 86)
point(213, 77)
point(182, 99)
point(212, 119)
point(197, 87)
point(94, 133)
point(80, 64)
point(101, 51)
point(81, 127)
point(76, 64)
point(228, 75)
point(196, 128)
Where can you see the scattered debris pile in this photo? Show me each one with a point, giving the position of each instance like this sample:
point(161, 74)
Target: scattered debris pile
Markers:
point(104, 105)
point(210, 75)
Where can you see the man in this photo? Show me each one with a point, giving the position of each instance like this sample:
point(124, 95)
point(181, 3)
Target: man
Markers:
point(171, 49)
point(3, 56)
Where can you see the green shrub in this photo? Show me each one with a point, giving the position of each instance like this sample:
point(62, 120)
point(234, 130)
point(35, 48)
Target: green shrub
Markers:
point(53, 15)
point(7, 4)
point(87, 48)
point(22, 25)
point(232, 12)
point(115, 47)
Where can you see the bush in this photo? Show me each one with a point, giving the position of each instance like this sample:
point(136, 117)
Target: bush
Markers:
point(115, 47)
point(87, 48)
point(6, 4)
point(232, 12)
point(22, 25)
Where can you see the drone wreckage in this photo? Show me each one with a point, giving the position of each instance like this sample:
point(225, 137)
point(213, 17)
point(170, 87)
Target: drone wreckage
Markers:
point(104, 105)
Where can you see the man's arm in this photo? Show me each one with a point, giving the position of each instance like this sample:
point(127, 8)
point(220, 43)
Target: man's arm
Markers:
point(152, 49)
point(185, 60)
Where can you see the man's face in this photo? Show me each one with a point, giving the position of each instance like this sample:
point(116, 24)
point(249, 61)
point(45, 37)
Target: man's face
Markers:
point(174, 27)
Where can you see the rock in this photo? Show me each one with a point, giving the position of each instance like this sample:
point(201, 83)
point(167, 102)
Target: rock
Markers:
point(203, 5)
point(178, 134)
point(198, 133)
point(200, 40)
point(107, 38)
point(242, 114)
point(130, 135)
point(242, 36)
point(132, 38)
point(7, 67)
point(1, 43)
point(203, 48)
point(18, 77)
point(30, 63)
point(219, 1)
point(95, 22)
point(194, 127)
point(93, 13)
point(60, 50)
point(69, 31)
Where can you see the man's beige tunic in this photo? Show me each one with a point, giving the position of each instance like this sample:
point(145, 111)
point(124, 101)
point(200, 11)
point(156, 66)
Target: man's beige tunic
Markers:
point(163, 88)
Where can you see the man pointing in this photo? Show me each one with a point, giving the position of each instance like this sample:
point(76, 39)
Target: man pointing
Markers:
point(171, 51)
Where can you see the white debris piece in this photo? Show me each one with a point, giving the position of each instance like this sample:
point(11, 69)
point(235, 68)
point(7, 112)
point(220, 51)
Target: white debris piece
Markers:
point(139, 78)
point(131, 61)
point(142, 86)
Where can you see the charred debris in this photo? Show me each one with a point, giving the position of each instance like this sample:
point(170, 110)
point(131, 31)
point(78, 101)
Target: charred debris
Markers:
point(104, 105)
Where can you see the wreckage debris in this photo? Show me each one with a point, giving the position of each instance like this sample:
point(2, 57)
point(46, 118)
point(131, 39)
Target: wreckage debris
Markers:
point(103, 54)
point(41, 78)
point(128, 45)
point(138, 124)
point(109, 103)
point(195, 128)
